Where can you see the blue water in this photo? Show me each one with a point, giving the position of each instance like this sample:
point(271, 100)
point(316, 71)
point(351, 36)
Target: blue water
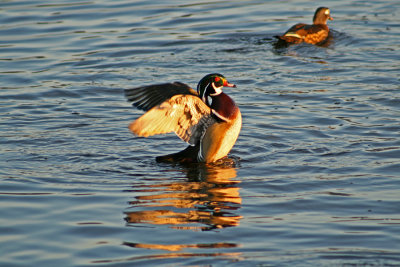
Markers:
point(313, 180)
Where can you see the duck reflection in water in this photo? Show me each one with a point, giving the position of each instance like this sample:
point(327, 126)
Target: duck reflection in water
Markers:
point(208, 200)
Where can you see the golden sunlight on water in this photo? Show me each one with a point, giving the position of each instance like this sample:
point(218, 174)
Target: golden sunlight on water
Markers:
point(176, 247)
point(209, 200)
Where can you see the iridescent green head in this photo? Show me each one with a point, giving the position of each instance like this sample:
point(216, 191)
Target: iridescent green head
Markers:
point(211, 85)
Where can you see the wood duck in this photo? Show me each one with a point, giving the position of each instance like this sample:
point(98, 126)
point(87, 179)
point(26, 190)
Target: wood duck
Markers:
point(208, 120)
point(316, 33)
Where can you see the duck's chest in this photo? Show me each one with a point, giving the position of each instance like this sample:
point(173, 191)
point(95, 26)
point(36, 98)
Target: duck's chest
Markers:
point(224, 107)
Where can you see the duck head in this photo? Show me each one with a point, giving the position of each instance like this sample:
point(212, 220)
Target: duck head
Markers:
point(211, 85)
point(321, 16)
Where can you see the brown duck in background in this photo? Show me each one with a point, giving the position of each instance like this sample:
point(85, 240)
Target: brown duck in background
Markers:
point(317, 33)
point(209, 120)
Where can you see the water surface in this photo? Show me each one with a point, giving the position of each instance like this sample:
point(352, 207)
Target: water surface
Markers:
point(313, 179)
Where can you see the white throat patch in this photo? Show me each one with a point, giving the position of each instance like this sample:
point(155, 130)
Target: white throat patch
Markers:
point(218, 90)
point(203, 97)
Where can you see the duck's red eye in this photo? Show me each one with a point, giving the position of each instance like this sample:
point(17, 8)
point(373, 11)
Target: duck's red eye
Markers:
point(217, 79)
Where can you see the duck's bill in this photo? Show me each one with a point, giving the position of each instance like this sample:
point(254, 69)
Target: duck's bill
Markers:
point(226, 84)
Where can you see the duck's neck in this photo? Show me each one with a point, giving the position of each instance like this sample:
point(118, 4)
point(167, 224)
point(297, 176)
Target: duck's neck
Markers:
point(320, 21)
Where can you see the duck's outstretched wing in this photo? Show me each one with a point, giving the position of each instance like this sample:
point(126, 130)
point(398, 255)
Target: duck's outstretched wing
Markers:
point(186, 115)
point(147, 97)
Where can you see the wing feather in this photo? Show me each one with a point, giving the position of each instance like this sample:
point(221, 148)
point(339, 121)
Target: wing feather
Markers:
point(308, 33)
point(147, 97)
point(294, 29)
point(186, 115)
